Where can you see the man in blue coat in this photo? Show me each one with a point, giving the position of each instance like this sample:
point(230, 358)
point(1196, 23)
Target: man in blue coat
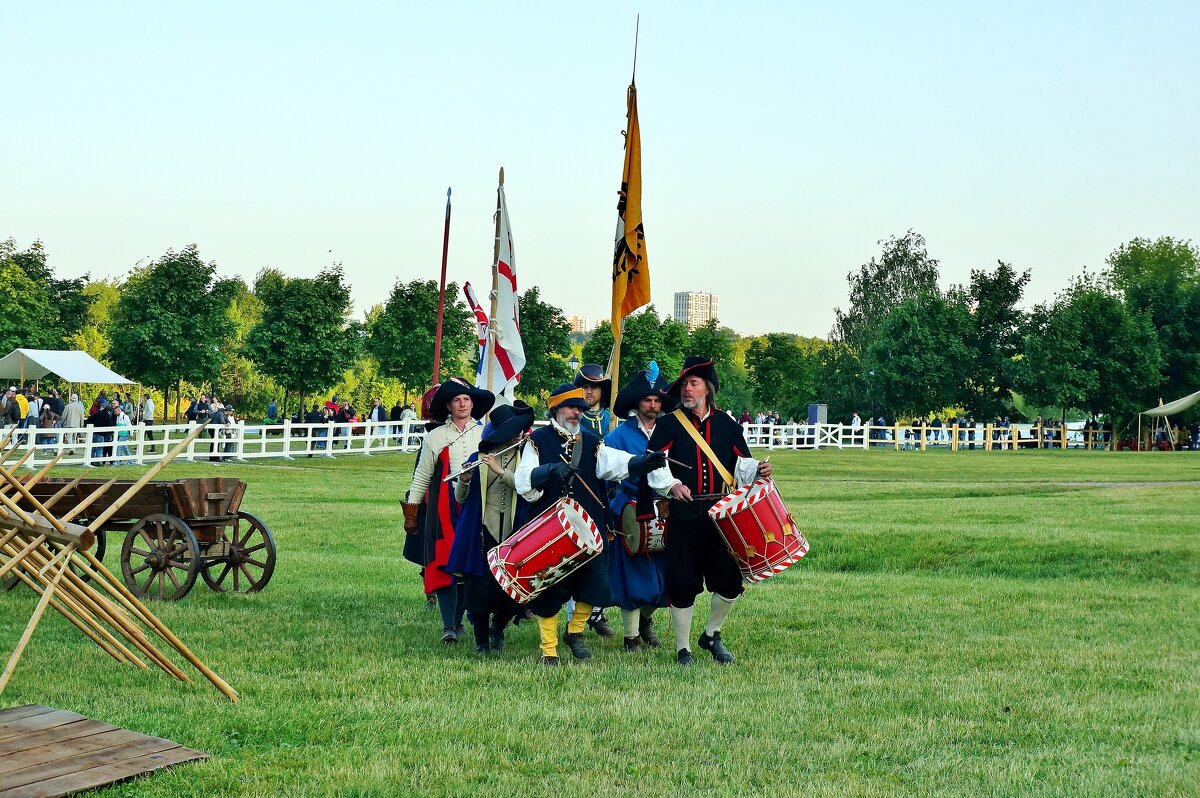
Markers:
point(638, 581)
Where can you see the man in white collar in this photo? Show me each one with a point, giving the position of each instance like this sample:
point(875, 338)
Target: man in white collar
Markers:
point(568, 460)
point(459, 406)
point(696, 555)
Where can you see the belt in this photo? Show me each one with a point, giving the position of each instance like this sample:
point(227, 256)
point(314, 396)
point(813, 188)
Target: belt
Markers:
point(702, 497)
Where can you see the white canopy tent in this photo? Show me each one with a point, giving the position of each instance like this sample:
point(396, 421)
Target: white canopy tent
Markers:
point(1169, 409)
point(72, 366)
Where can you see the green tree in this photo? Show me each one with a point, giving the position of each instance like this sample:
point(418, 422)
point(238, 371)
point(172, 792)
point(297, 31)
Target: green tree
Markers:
point(1088, 351)
point(995, 337)
point(1162, 278)
point(782, 374)
point(304, 340)
point(171, 322)
point(93, 336)
point(37, 310)
point(402, 336)
point(902, 272)
point(545, 336)
point(240, 382)
point(919, 355)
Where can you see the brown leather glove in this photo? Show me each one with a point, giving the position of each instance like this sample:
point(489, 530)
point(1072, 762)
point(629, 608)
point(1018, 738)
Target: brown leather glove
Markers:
point(410, 517)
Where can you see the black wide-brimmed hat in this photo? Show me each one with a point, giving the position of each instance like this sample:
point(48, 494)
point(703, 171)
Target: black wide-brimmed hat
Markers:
point(506, 423)
point(695, 366)
point(566, 395)
point(593, 374)
point(481, 400)
point(645, 383)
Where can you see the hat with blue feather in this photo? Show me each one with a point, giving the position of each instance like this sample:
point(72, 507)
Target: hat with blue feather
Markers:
point(648, 382)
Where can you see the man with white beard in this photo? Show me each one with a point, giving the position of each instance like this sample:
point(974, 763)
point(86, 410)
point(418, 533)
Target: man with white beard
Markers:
point(555, 460)
point(697, 557)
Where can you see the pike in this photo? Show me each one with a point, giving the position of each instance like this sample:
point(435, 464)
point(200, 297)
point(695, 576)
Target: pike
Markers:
point(437, 342)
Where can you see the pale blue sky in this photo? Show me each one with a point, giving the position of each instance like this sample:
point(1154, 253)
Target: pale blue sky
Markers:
point(781, 140)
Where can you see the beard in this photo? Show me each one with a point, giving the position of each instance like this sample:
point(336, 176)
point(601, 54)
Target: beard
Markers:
point(690, 404)
point(572, 427)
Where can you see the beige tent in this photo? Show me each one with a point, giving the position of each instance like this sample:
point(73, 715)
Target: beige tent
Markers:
point(73, 366)
point(1168, 409)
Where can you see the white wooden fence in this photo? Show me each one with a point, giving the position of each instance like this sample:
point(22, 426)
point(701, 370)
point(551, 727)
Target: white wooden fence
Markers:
point(242, 442)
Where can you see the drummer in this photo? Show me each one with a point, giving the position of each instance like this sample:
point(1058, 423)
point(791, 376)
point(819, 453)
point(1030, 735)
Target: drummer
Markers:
point(487, 520)
point(565, 459)
point(638, 580)
point(696, 556)
point(457, 407)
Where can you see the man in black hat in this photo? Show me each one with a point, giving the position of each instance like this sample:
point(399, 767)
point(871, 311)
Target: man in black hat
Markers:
point(697, 557)
point(489, 500)
point(565, 459)
point(597, 393)
point(457, 407)
point(638, 580)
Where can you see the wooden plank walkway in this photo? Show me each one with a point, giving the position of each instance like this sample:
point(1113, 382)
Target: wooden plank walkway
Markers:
point(47, 752)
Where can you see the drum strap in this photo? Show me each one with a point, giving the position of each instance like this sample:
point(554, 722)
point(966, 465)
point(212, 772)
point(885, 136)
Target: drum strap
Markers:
point(686, 423)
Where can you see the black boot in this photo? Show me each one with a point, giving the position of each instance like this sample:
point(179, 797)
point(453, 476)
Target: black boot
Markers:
point(579, 648)
point(714, 646)
point(633, 643)
point(600, 625)
point(496, 638)
point(647, 633)
point(684, 657)
point(483, 644)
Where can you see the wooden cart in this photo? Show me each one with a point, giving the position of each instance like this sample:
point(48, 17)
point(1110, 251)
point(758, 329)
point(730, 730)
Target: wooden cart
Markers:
point(176, 531)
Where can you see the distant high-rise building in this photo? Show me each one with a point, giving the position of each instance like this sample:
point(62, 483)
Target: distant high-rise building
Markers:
point(579, 324)
point(695, 308)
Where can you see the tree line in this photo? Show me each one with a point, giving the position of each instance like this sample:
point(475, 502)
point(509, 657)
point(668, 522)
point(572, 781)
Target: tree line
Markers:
point(1111, 343)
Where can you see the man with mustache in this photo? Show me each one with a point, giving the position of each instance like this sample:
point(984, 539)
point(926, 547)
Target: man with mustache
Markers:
point(696, 555)
point(566, 459)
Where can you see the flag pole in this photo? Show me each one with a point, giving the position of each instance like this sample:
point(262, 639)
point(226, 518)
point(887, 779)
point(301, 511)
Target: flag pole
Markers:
point(490, 351)
point(437, 343)
point(614, 360)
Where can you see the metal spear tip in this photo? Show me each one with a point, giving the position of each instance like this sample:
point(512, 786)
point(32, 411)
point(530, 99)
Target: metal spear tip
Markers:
point(447, 192)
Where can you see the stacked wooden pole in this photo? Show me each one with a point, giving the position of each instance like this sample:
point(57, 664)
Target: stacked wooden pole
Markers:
point(51, 556)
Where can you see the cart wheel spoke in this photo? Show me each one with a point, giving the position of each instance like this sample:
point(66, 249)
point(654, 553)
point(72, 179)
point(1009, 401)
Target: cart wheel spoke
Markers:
point(171, 558)
point(246, 536)
point(224, 573)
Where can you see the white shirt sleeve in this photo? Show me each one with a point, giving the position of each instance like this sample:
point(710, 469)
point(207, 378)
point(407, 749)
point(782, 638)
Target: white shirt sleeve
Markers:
point(424, 472)
point(524, 475)
point(745, 471)
point(612, 464)
point(662, 480)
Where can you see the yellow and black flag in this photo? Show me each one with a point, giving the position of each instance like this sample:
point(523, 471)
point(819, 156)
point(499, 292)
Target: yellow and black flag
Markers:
point(631, 269)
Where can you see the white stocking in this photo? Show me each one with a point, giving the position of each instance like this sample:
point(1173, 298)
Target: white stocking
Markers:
point(630, 620)
point(681, 618)
point(720, 609)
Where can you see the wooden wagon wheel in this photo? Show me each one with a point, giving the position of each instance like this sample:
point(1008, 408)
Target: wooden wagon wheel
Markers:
point(160, 558)
point(12, 580)
point(243, 559)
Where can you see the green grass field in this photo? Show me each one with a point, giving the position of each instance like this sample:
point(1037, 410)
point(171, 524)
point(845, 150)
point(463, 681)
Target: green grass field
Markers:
point(965, 624)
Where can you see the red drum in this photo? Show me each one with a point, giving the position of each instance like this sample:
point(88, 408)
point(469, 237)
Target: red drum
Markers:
point(643, 537)
point(760, 534)
point(545, 551)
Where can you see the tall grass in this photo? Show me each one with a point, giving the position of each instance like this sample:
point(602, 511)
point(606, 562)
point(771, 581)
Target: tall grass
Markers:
point(965, 624)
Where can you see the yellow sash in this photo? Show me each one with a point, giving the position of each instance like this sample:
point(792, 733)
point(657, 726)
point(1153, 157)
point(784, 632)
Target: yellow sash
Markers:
point(686, 423)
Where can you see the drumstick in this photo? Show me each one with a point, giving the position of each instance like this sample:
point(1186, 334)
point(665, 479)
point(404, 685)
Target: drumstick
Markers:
point(681, 465)
point(581, 482)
